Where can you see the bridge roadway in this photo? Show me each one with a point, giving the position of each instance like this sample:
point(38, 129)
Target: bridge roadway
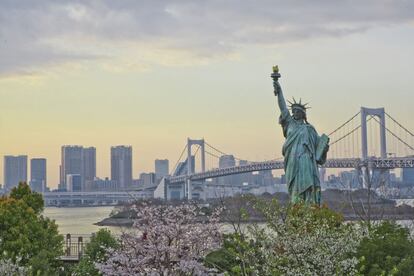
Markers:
point(351, 163)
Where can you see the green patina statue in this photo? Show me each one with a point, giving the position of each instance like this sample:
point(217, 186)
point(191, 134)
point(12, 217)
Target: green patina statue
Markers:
point(303, 149)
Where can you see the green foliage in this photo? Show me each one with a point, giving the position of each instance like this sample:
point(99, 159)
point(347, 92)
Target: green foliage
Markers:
point(240, 255)
point(95, 252)
point(26, 233)
point(32, 199)
point(297, 240)
point(388, 250)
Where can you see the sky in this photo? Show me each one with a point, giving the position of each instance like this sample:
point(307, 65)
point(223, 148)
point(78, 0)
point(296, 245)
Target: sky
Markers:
point(152, 73)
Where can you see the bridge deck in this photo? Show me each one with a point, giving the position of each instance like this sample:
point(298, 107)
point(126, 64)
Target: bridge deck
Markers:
point(352, 163)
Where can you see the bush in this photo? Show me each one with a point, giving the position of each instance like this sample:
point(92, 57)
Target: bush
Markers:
point(95, 252)
point(388, 250)
point(296, 240)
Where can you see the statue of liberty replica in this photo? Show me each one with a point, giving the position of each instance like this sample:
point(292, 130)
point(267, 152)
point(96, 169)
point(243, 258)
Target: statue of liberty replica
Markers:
point(303, 149)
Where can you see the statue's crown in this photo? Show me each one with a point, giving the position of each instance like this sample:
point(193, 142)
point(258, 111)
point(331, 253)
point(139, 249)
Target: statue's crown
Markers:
point(298, 105)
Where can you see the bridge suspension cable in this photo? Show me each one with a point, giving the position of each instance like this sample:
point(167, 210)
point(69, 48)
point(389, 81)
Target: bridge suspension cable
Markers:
point(222, 153)
point(338, 128)
point(347, 134)
point(178, 161)
point(400, 125)
point(212, 154)
point(393, 134)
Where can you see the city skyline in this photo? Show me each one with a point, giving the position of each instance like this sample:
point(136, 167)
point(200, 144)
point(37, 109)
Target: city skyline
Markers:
point(151, 79)
point(80, 161)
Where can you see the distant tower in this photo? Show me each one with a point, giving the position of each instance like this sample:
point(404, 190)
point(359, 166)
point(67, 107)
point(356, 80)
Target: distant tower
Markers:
point(161, 168)
point(38, 181)
point(380, 113)
point(78, 160)
point(191, 166)
point(88, 165)
point(71, 163)
point(15, 170)
point(121, 166)
point(226, 161)
point(74, 182)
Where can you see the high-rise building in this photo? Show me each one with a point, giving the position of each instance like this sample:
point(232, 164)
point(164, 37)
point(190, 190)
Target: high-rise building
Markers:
point(15, 170)
point(245, 177)
point(408, 175)
point(161, 168)
point(226, 161)
point(74, 182)
point(121, 166)
point(80, 161)
point(38, 181)
point(101, 185)
point(147, 179)
point(88, 165)
point(71, 163)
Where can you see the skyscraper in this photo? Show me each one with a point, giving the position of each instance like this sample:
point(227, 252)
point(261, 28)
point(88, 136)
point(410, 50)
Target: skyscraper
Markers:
point(71, 163)
point(88, 165)
point(74, 182)
point(38, 174)
point(408, 175)
point(121, 166)
point(226, 161)
point(77, 160)
point(15, 170)
point(161, 168)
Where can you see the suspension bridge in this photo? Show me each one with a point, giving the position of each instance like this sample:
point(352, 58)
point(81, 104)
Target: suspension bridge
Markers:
point(370, 140)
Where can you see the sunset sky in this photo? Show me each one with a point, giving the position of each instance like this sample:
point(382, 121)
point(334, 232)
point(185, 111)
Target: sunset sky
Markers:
point(152, 73)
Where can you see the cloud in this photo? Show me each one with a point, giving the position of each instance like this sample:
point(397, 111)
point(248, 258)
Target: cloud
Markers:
point(37, 34)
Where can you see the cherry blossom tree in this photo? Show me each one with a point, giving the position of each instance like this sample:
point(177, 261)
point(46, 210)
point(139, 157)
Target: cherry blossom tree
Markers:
point(8, 267)
point(166, 240)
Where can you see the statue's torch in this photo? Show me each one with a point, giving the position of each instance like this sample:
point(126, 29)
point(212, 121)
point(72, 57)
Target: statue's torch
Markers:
point(275, 76)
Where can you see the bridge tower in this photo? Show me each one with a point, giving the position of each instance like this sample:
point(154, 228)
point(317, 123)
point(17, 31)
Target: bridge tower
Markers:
point(190, 168)
point(368, 173)
point(379, 112)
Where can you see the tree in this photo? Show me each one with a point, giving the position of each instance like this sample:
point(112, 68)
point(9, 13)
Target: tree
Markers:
point(26, 234)
point(296, 240)
point(168, 240)
point(95, 252)
point(388, 250)
point(8, 267)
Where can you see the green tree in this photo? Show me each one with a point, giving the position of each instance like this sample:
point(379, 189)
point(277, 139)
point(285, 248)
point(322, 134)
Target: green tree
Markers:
point(25, 233)
point(388, 250)
point(95, 252)
point(32, 199)
point(297, 240)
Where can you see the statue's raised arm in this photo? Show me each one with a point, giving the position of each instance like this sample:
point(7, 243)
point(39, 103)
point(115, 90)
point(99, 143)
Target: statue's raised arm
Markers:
point(279, 93)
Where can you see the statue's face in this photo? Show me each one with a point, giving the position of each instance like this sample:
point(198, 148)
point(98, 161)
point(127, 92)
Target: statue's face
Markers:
point(298, 114)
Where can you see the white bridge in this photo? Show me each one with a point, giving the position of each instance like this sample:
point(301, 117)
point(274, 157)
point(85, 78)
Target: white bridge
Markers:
point(351, 163)
point(351, 147)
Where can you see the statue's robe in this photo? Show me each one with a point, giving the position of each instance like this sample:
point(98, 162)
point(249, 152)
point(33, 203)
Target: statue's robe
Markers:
point(301, 166)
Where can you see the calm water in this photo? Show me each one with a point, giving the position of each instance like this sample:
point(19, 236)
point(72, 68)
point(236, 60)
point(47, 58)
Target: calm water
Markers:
point(81, 220)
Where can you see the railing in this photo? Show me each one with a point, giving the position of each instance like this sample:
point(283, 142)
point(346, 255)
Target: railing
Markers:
point(74, 247)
